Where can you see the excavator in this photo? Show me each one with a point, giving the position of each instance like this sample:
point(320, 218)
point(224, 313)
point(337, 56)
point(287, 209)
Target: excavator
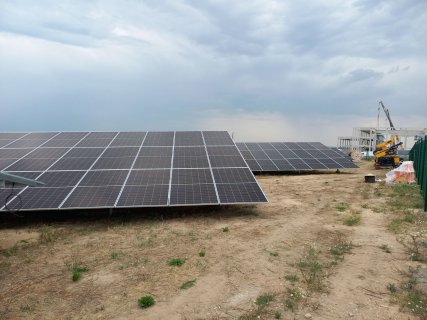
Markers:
point(385, 153)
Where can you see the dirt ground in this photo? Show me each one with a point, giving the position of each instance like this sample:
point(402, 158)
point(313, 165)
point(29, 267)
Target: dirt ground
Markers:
point(126, 257)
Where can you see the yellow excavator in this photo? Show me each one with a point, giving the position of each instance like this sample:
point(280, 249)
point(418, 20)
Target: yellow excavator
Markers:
point(385, 153)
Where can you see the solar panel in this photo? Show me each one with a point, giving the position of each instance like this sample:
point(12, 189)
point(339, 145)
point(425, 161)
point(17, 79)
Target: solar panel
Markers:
point(126, 169)
point(292, 156)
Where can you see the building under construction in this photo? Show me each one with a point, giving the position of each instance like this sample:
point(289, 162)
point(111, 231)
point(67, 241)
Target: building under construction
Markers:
point(364, 139)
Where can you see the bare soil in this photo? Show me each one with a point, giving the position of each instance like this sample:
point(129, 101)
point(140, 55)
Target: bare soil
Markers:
point(126, 257)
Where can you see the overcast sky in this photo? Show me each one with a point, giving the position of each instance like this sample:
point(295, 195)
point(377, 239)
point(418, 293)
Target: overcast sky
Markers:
point(264, 69)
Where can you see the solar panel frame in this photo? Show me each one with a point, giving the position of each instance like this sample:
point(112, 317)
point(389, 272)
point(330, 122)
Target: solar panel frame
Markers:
point(82, 167)
point(91, 197)
point(155, 152)
point(191, 176)
point(155, 195)
point(148, 177)
point(39, 198)
point(217, 138)
point(13, 199)
point(95, 178)
point(73, 163)
point(193, 194)
point(229, 194)
point(57, 179)
point(46, 153)
point(78, 135)
point(160, 139)
point(152, 162)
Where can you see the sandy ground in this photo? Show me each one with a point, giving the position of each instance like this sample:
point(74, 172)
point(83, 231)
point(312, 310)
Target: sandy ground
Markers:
point(127, 256)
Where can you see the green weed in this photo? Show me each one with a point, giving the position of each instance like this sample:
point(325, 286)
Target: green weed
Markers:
point(176, 262)
point(352, 220)
point(13, 251)
point(187, 284)
point(26, 308)
point(406, 196)
point(341, 248)
point(342, 206)
point(77, 271)
point(262, 303)
point(293, 299)
point(264, 299)
point(312, 269)
point(292, 278)
point(146, 302)
point(392, 288)
point(193, 237)
point(47, 234)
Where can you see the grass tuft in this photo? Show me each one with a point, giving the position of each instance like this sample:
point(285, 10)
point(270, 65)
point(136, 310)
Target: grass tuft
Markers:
point(225, 229)
point(312, 270)
point(352, 220)
point(25, 308)
point(342, 206)
point(294, 297)
point(406, 196)
point(77, 271)
point(47, 234)
point(202, 253)
point(292, 278)
point(392, 288)
point(264, 299)
point(146, 302)
point(176, 262)
point(341, 248)
point(187, 284)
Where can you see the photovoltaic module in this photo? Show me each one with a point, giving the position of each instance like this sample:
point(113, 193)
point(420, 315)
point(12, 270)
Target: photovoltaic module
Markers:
point(125, 169)
point(292, 156)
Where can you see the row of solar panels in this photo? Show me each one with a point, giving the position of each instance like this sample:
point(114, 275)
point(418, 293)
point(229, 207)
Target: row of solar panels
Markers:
point(292, 156)
point(145, 169)
point(126, 169)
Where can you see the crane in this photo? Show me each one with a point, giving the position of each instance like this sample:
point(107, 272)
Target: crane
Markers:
point(385, 154)
point(387, 113)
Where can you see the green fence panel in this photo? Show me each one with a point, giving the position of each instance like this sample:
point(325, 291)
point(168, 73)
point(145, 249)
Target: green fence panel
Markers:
point(424, 174)
point(418, 154)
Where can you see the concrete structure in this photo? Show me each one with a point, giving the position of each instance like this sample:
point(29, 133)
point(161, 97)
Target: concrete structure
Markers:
point(365, 138)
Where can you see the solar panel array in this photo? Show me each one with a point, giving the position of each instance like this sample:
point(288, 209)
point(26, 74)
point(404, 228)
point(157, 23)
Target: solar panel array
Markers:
point(292, 156)
point(126, 169)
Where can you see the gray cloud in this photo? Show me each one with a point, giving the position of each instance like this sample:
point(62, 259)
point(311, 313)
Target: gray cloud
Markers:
point(363, 74)
point(163, 64)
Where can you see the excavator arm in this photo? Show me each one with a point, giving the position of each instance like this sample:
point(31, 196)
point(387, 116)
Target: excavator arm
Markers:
point(385, 154)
